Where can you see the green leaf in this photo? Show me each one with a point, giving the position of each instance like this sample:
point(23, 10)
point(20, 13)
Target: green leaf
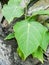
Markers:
point(38, 54)
point(12, 10)
point(45, 41)
point(10, 36)
point(20, 53)
point(28, 35)
point(41, 12)
point(16, 2)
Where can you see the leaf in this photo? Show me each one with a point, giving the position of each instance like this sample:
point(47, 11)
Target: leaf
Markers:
point(10, 36)
point(28, 35)
point(16, 2)
point(38, 54)
point(41, 12)
point(20, 53)
point(12, 10)
point(45, 41)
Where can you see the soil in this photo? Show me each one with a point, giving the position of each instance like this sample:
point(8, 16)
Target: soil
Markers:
point(8, 54)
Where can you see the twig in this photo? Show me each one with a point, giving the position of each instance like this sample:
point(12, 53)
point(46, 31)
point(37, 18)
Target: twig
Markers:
point(37, 9)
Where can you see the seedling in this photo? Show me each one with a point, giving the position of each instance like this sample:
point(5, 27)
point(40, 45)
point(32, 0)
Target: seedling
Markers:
point(31, 35)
